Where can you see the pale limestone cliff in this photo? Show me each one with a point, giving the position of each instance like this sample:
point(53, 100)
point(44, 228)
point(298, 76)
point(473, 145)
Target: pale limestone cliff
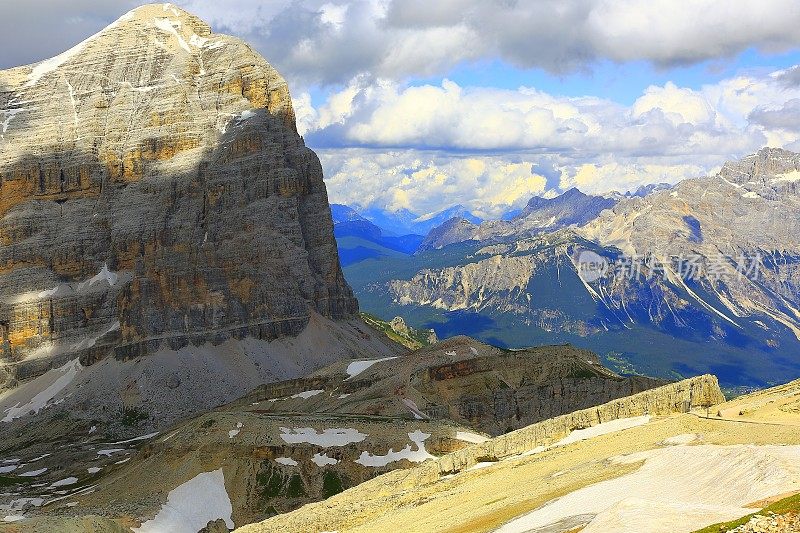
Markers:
point(154, 192)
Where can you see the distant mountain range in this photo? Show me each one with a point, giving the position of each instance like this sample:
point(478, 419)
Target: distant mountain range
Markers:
point(375, 233)
point(521, 282)
point(540, 215)
point(358, 238)
point(404, 222)
point(406, 232)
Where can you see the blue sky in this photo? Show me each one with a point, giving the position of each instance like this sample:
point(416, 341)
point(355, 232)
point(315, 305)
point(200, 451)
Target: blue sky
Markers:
point(620, 82)
point(422, 105)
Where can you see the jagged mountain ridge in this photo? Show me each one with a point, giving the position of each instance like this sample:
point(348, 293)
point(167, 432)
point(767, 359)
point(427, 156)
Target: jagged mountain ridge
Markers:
point(572, 208)
point(527, 290)
point(405, 222)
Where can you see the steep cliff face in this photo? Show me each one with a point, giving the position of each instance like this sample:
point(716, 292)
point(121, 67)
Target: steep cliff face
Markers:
point(154, 192)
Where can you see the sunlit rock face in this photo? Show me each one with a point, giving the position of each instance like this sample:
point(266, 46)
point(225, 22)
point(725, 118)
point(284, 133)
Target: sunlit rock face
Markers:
point(701, 277)
point(154, 191)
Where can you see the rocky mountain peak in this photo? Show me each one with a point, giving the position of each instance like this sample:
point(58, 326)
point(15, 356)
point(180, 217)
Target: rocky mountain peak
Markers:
point(454, 230)
point(766, 165)
point(154, 192)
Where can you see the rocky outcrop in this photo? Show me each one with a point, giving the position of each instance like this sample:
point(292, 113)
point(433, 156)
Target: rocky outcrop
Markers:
point(399, 326)
point(571, 208)
point(773, 167)
point(498, 281)
point(452, 231)
point(460, 380)
point(770, 523)
point(154, 192)
point(680, 397)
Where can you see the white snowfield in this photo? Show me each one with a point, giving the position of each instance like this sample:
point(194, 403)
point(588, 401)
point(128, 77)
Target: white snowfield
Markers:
point(288, 461)
point(109, 451)
point(33, 473)
point(328, 437)
point(412, 406)
point(232, 433)
point(677, 489)
point(64, 482)
point(415, 456)
point(14, 510)
point(136, 439)
point(192, 505)
point(467, 436)
point(64, 289)
point(794, 175)
point(109, 276)
point(37, 394)
point(587, 433)
point(323, 459)
point(603, 429)
point(307, 394)
point(357, 367)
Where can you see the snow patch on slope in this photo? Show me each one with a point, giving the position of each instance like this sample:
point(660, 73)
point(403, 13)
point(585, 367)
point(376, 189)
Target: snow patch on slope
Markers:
point(323, 459)
point(169, 26)
point(42, 390)
point(307, 394)
point(666, 494)
point(357, 367)
point(415, 456)
point(794, 175)
point(192, 505)
point(603, 429)
point(328, 437)
point(467, 436)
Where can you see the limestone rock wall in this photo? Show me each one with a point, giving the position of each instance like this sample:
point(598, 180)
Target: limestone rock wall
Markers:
point(154, 191)
point(679, 397)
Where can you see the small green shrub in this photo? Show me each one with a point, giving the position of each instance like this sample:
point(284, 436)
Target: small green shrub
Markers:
point(295, 488)
point(331, 484)
point(131, 416)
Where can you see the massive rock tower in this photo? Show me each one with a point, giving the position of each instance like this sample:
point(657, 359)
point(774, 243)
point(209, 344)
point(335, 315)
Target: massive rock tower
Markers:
point(154, 192)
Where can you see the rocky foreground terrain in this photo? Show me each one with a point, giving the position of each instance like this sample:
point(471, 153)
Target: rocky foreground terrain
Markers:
point(641, 464)
point(461, 380)
point(770, 524)
point(302, 440)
